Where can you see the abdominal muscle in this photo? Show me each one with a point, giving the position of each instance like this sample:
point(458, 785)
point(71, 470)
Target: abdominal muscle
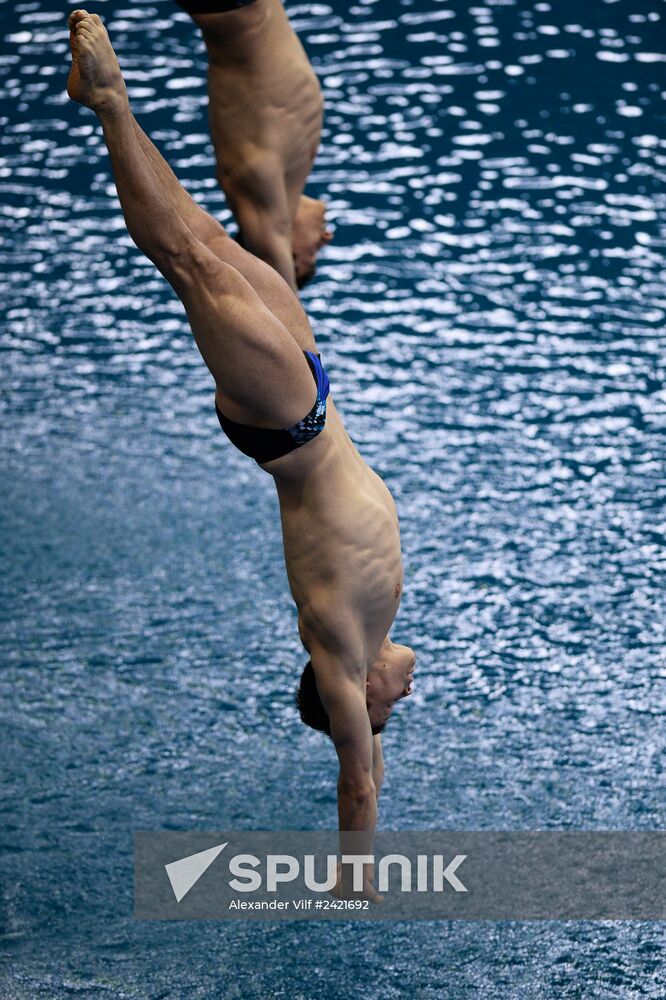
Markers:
point(341, 542)
point(267, 96)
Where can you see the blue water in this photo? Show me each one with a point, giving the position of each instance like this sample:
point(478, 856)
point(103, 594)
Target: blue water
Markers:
point(492, 316)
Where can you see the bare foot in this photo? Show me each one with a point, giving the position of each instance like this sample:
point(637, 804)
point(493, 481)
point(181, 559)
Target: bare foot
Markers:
point(95, 78)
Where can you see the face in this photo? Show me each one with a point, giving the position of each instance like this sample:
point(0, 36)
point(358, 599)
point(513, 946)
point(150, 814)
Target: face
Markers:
point(389, 680)
point(309, 235)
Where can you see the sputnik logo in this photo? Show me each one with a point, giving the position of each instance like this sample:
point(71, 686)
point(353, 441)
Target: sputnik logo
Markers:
point(186, 872)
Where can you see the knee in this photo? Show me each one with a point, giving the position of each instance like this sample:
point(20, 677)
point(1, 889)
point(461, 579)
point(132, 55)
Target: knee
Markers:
point(178, 259)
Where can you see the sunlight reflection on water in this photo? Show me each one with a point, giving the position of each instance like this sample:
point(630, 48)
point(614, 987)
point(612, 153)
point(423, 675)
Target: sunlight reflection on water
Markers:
point(491, 313)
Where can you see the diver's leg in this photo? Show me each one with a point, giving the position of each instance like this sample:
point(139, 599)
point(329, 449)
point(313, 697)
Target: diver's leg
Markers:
point(151, 211)
point(269, 286)
point(263, 278)
point(260, 373)
point(208, 230)
point(204, 226)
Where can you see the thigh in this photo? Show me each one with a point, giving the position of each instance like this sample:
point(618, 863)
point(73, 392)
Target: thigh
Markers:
point(260, 372)
point(271, 288)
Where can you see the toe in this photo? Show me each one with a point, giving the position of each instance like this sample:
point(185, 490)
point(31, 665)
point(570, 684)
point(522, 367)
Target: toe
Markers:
point(76, 16)
point(85, 27)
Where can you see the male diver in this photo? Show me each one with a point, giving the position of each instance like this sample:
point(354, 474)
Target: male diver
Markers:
point(339, 522)
point(265, 113)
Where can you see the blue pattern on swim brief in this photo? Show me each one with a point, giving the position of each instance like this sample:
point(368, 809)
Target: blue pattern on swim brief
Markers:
point(314, 422)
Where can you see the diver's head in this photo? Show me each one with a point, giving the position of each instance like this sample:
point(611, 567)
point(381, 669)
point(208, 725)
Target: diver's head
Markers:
point(389, 679)
point(309, 234)
point(309, 705)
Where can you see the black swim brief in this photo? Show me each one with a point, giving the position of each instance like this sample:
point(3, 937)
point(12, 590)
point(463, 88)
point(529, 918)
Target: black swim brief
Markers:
point(212, 6)
point(266, 444)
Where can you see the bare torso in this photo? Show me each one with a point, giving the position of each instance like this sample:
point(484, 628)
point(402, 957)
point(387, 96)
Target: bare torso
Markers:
point(341, 542)
point(267, 97)
point(339, 521)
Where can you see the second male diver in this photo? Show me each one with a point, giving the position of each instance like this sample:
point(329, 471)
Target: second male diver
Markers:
point(265, 112)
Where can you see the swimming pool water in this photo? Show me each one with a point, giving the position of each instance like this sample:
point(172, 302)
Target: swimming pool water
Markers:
point(491, 313)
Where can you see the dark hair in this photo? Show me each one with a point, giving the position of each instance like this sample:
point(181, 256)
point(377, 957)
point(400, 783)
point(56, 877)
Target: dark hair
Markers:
point(309, 705)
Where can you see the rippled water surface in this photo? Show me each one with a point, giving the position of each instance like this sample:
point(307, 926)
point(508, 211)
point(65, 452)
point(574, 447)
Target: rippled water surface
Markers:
point(491, 312)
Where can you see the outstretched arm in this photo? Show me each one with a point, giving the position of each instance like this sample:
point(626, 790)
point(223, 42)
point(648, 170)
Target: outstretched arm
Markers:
point(377, 764)
point(342, 692)
point(352, 737)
